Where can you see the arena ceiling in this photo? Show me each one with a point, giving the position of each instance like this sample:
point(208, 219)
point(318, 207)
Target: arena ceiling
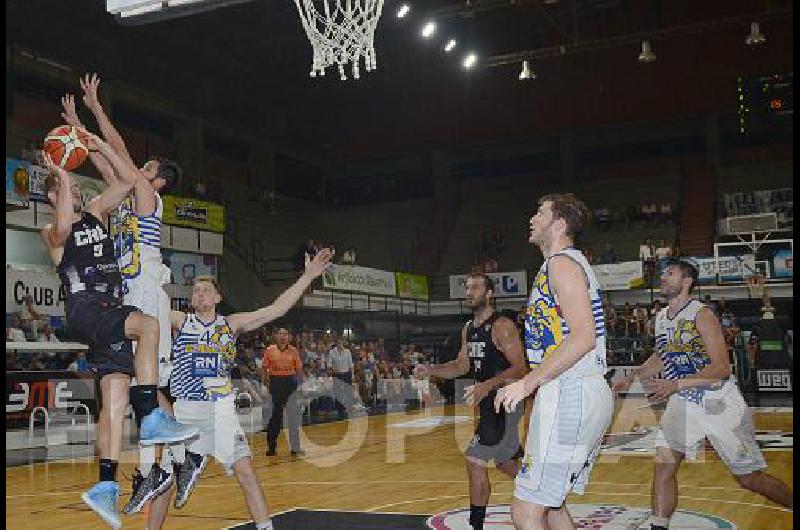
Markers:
point(248, 65)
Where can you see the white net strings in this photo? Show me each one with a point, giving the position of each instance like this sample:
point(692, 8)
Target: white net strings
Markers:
point(341, 34)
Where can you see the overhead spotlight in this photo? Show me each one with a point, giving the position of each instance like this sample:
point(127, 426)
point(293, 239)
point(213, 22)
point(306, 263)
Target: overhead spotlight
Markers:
point(526, 72)
point(428, 29)
point(403, 11)
point(755, 37)
point(647, 55)
point(469, 60)
point(451, 44)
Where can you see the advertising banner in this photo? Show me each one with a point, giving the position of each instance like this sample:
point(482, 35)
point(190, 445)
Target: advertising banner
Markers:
point(44, 287)
point(360, 280)
point(506, 284)
point(619, 276)
point(411, 285)
point(194, 213)
point(731, 268)
point(55, 389)
point(782, 264)
point(185, 266)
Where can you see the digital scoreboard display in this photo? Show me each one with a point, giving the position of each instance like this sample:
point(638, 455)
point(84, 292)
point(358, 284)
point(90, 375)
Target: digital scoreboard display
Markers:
point(765, 101)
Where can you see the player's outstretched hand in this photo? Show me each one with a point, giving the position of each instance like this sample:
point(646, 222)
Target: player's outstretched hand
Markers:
point(660, 389)
point(474, 394)
point(621, 385)
point(317, 266)
point(90, 84)
point(69, 115)
point(509, 396)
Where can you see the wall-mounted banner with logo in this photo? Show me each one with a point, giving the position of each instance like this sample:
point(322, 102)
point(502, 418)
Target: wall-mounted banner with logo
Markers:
point(506, 284)
point(411, 285)
point(54, 390)
point(619, 276)
point(731, 268)
point(89, 187)
point(359, 280)
point(782, 264)
point(44, 287)
point(194, 213)
point(18, 177)
point(186, 266)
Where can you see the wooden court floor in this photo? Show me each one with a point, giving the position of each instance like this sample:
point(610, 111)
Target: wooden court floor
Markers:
point(370, 464)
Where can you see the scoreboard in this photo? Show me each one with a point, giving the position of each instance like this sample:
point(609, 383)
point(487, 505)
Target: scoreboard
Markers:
point(765, 102)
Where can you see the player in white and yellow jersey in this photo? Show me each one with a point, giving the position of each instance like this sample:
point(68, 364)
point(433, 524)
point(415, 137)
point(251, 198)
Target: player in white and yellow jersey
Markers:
point(204, 350)
point(703, 398)
point(565, 346)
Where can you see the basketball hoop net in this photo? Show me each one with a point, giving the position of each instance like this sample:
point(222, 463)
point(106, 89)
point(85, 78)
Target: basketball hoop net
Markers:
point(342, 33)
point(757, 285)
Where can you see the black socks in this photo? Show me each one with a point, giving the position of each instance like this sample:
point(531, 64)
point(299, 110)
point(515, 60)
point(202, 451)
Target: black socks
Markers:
point(108, 470)
point(476, 516)
point(145, 400)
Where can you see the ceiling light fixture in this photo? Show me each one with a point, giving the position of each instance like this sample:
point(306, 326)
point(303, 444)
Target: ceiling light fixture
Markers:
point(403, 11)
point(451, 44)
point(428, 29)
point(755, 37)
point(469, 60)
point(526, 72)
point(647, 55)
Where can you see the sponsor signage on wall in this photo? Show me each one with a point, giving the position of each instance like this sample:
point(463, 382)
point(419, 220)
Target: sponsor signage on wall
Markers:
point(360, 280)
point(194, 213)
point(186, 266)
point(783, 264)
point(53, 390)
point(506, 284)
point(45, 288)
point(25, 181)
point(774, 380)
point(619, 276)
point(411, 285)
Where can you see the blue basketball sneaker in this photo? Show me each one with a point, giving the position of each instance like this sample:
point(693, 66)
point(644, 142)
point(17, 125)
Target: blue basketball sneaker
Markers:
point(102, 498)
point(158, 427)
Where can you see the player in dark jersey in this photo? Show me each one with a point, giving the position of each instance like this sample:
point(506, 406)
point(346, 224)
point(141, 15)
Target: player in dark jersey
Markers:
point(79, 245)
point(491, 347)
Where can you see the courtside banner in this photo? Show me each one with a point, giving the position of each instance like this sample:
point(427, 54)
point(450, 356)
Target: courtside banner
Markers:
point(619, 276)
point(89, 187)
point(359, 280)
point(52, 389)
point(411, 285)
point(506, 284)
point(44, 287)
point(194, 213)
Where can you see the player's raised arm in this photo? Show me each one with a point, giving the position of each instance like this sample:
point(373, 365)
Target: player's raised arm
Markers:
point(90, 84)
point(242, 322)
point(114, 193)
point(70, 117)
point(55, 234)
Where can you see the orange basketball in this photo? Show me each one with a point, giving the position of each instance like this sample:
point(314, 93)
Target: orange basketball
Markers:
point(66, 147)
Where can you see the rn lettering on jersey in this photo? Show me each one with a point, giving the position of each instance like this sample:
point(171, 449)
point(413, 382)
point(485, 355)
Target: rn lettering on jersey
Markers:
point(90, 236)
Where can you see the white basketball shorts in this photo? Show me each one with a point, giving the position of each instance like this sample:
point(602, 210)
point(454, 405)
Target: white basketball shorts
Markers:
point(146, 292)
point(568, 420)
point(219, 432)
point(724, 418)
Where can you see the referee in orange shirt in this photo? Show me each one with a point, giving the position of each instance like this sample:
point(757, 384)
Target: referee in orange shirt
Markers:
point(283, 372)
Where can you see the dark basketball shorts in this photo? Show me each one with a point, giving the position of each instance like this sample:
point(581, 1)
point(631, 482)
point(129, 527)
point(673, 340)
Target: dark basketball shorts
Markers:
point(496, 436)
point(98, 320)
